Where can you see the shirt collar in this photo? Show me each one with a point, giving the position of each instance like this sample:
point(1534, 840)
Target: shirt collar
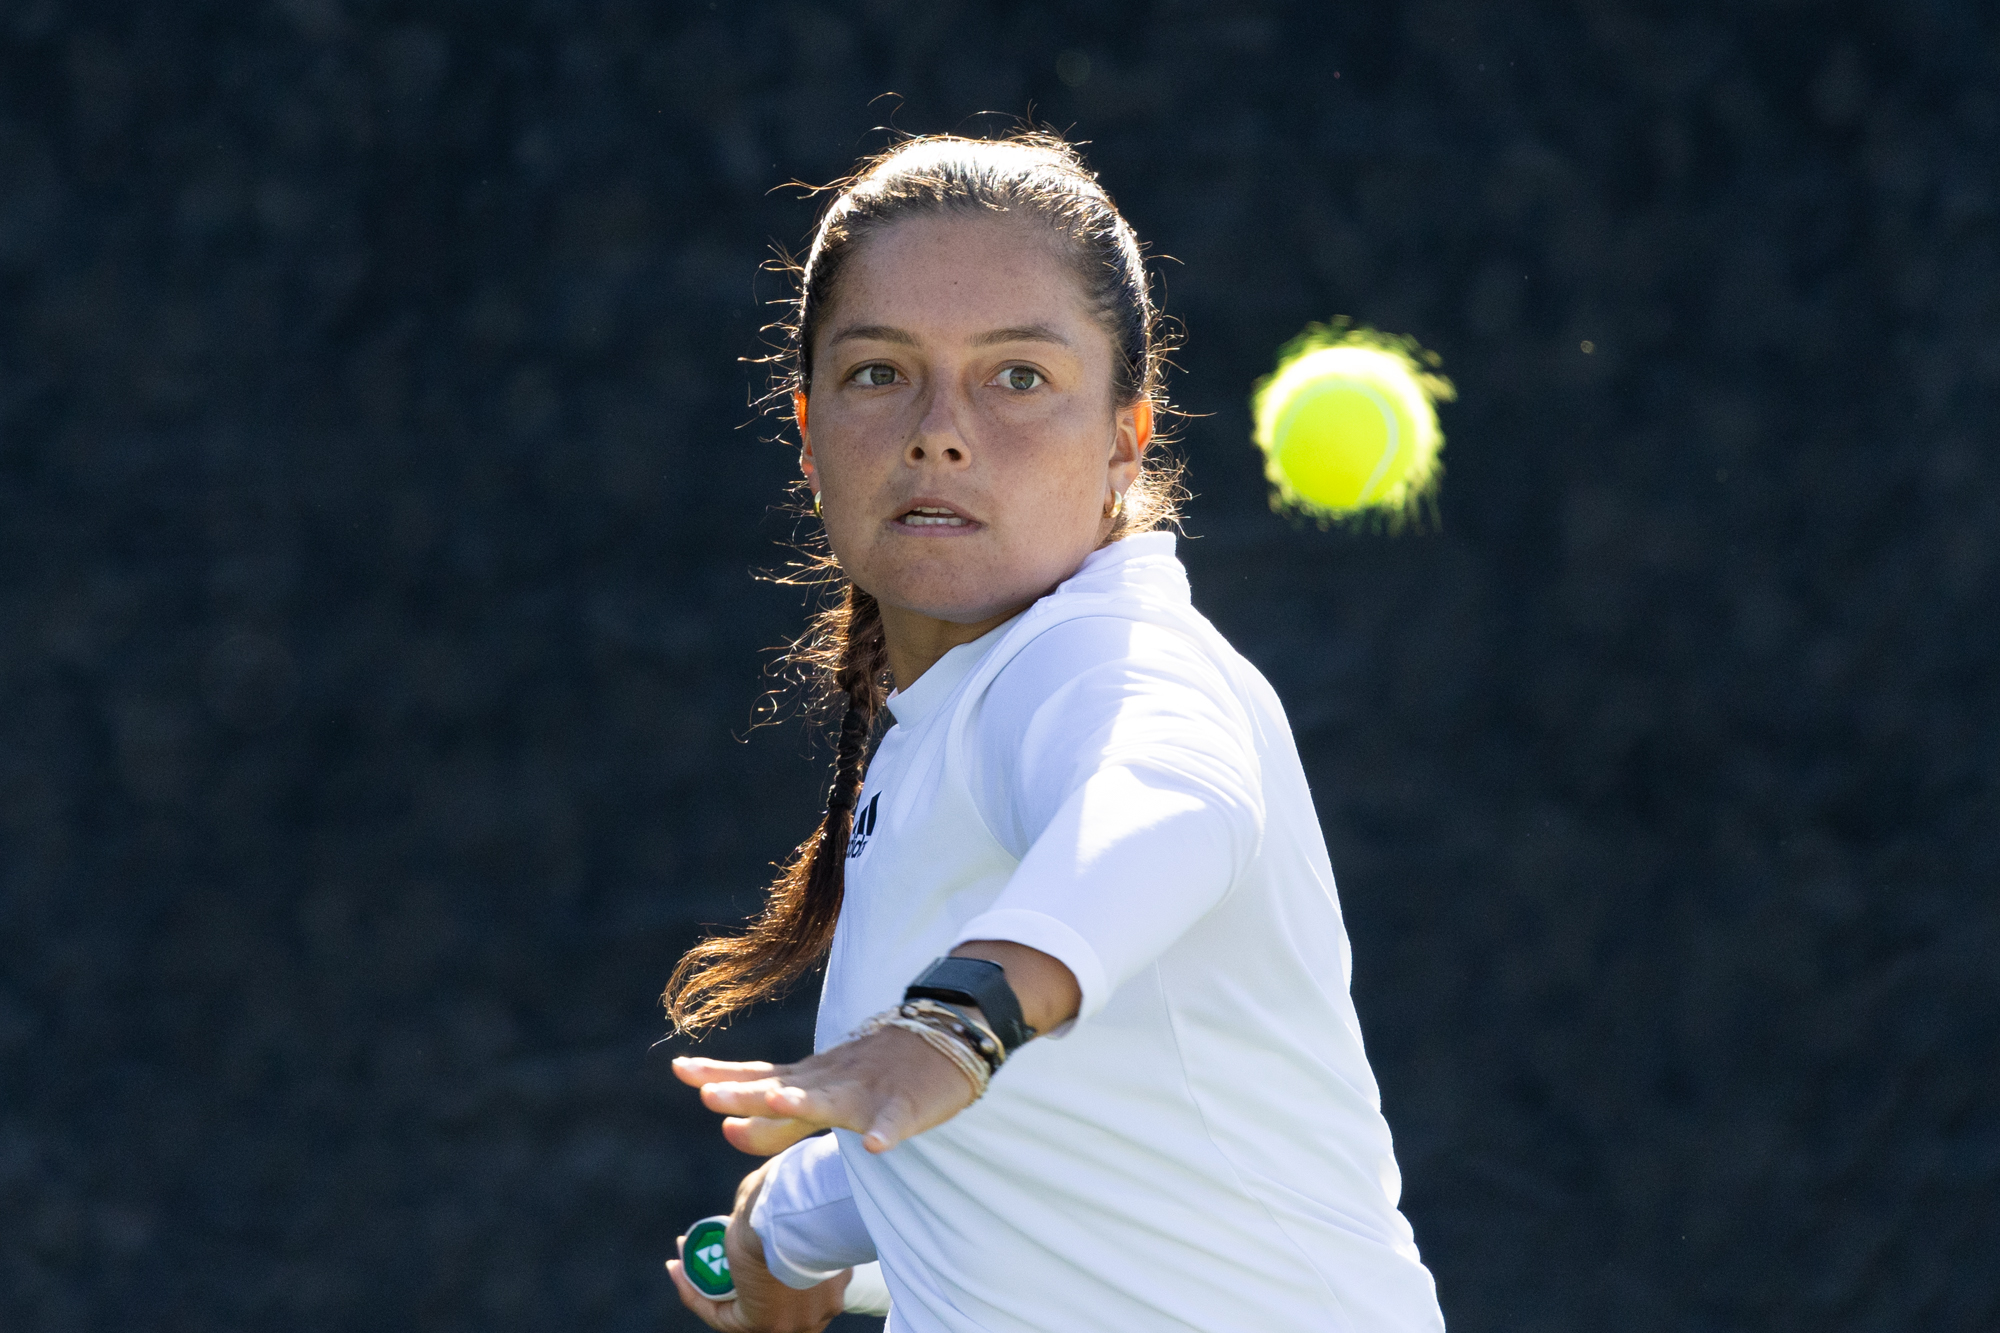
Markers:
point(1144, 562)
point(914, 704)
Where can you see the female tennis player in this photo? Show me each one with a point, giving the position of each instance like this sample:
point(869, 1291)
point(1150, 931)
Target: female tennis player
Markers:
point(1085, 1042)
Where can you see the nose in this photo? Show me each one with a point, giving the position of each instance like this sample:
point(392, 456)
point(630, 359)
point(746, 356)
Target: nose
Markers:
point(939, 435)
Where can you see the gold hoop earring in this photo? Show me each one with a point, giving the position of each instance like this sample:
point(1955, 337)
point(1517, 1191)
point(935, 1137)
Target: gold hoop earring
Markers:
point(817, 511)
point(1117, 509)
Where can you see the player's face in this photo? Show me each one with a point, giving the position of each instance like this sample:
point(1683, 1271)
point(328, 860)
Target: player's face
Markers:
point(961, 426)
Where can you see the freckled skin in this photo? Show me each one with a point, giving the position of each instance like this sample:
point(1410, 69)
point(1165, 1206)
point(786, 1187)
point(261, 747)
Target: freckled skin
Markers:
point(914, 398)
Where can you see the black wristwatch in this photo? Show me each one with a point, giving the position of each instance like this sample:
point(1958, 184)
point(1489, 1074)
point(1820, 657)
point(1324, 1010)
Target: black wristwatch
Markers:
point(975, 981)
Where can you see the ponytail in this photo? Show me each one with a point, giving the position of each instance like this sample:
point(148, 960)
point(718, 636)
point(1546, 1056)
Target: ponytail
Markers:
point(725, 973)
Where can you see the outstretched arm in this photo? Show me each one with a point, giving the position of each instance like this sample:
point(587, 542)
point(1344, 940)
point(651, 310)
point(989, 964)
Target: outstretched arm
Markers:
point(885, 1087)
point(1116, 762)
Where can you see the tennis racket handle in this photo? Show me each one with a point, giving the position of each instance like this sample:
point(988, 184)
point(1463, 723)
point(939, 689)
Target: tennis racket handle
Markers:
point(705, 1260)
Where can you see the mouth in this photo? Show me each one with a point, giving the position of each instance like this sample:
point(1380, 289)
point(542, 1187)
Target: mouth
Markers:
point(934, 516)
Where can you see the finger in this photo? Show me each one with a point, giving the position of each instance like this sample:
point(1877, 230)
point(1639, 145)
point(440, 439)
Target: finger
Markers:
point(747, 1099)
point(695, 1070)
point(789, 1101)
point(764, 1136)
point(721, 1315)
point(776, 1100)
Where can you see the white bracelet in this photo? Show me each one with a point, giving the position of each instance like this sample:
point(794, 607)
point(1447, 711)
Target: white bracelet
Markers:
point(951, 1046)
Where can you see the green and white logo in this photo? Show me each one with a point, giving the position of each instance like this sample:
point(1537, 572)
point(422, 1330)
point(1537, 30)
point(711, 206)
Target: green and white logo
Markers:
point(705, 1260)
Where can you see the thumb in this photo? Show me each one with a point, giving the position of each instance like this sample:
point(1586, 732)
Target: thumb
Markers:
point(890, 1126)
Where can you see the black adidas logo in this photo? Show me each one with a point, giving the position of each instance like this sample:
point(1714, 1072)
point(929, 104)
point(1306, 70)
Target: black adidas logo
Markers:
point(864, 826)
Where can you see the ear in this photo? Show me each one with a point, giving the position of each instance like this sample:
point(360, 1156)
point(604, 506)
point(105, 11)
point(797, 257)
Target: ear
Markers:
point(1128, 446)
point(807, 464)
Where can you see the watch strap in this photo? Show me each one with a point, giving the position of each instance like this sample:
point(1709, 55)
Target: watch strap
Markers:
point(975, 981)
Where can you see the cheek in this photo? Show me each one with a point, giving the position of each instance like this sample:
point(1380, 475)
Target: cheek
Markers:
point(1068, 456)
point(1070, 483)
point(850, 448)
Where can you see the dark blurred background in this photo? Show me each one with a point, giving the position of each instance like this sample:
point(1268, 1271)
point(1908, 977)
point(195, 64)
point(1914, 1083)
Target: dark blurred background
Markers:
point(380, 500)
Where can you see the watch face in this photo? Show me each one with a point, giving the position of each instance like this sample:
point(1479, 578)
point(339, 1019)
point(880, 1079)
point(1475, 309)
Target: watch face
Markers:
point(705, 1261)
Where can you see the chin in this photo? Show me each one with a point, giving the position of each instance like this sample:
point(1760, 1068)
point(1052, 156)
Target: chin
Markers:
point(961, 611)
point(957, 600)
point(956, 581)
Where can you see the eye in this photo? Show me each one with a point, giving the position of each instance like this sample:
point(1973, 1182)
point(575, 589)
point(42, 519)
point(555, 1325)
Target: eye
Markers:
point(874, 376)
point(1021, 378)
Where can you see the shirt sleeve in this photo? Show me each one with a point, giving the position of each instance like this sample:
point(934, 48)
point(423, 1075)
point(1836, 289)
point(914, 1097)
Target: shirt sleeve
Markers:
point(1114, 758)
point(807, 1218)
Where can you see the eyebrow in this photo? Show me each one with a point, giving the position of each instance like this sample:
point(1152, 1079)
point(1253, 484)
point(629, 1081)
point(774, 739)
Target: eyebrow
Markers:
point(884, 333)
point(875, 333)
point(1026, 333)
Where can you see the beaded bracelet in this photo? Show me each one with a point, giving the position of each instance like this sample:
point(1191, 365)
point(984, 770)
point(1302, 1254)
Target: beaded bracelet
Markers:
point(974, 1031)
point(944, 1032)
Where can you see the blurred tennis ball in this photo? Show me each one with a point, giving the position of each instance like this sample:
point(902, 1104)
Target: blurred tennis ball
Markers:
point(1348, 424)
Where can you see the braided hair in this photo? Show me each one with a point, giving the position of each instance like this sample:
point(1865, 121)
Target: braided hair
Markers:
point(1039, 176)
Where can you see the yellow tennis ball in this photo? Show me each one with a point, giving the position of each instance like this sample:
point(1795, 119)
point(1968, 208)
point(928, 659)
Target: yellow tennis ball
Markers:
point(1348, 424)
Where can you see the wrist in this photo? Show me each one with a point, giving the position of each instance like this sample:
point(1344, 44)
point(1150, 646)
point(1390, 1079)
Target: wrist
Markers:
point(974, 1053)
point(746, 1250)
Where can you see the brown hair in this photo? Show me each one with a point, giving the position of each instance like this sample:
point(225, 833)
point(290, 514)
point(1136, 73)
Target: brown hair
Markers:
point(1038, 176)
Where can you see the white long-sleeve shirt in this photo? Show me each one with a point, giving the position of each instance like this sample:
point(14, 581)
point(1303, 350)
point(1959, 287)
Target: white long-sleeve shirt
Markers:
point(811, 1228)
point(1104, 779)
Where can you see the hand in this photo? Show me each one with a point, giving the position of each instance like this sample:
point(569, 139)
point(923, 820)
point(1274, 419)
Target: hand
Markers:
point(763, 1304)
point(885, 1087)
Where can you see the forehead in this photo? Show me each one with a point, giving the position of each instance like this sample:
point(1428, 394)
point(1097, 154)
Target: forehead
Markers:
point(963, 273)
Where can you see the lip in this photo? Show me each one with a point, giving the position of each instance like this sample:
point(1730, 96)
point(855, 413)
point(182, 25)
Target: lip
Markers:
point(945, 518)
